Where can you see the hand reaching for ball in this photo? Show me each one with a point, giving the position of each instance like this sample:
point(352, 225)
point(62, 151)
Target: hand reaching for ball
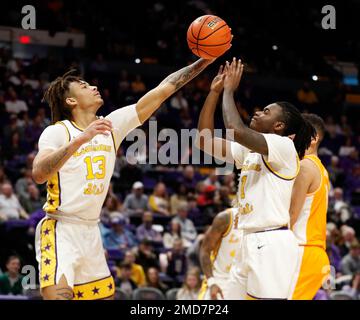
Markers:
point(233, 74)
point(217, 84)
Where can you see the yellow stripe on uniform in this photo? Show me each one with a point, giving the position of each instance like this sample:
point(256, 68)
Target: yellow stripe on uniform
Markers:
point(48, 256)
point(278, 174)
point(53, 194)
point(95, 290)
point(203, 289)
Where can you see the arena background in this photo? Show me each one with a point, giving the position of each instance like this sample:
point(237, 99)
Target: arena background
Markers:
point(127, 50)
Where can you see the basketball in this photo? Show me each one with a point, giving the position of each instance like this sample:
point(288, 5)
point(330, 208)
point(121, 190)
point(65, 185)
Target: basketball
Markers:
point(209, 37)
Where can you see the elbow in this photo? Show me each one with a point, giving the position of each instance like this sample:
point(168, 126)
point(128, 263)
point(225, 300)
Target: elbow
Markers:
point(38, 177)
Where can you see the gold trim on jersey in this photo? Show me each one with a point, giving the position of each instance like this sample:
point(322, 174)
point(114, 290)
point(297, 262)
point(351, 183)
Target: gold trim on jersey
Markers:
point(67, 130)
point(113, 139)
point(228, 229)
point(76, 126)
point(48, 256)
point(203, 290)
point(95, 290)
point(90, 148)
point(280, 175)
point(53, 193)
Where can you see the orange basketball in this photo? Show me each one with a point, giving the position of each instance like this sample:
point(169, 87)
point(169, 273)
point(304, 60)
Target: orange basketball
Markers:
point(209, 37)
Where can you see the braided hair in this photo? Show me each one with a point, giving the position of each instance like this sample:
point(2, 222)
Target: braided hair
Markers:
point(296, 124)
point(56, 95)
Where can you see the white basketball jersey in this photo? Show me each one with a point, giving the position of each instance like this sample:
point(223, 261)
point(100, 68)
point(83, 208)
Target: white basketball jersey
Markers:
point(80, 187)
point(265, 183)
point(222, 258)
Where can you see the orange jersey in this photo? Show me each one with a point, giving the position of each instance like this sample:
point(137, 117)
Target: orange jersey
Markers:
point(310, 227)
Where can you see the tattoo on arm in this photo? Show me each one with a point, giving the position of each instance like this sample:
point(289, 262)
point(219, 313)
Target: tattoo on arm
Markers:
point(211, 241)
point(54, 160)
point(184, 75)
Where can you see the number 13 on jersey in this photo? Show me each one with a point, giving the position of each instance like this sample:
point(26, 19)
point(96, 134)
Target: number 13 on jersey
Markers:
point(100, 174)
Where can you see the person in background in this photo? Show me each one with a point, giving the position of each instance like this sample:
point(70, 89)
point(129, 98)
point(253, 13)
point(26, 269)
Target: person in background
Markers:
point(350, 264)
point(145, 255)
point(119, 237)
point(10, 281)
point(124, 282)
point(177, 262)
point(10, 207)
point(188, 178)
point(188, 230)
point(136, 203)
point(137, 271)
point(348, 239)
point(191, 287)
point(174, 234)
point(153, 280)
point(146, 230)
point(178, 199)
point(31, 201)
point(158, 201)
point(354, 288)
point(22, 184)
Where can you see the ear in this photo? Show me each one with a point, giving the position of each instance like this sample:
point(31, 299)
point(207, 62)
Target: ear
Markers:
point(315, 140)
point(71, 102)
point(292, 136)
point(279, 126)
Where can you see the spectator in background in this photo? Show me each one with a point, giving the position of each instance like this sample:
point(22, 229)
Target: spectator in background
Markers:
point(158, 201)
point(222, 199)
point(22, 184)
point(350, 264)
point(176, 259)
point(3, 177)
point(194, 250)
point(119, 237)
point(10, 281)
point(212, 180)
point(137, 271)
point(145, 255)
point(138, 86)
point(188, 230)
point(307, 96)
point(178, 101)
point(10, 207)
point(178, 199)
point(188, 179)
point(99, 64)
point(32, 201)
point(206, 203)
point(347, 148)
point(153, 280)
point(341, 209)
point(13, 104)
point(146, 230)
point(354, 288)
point(112, 204)
point(136, 203)
point(174, 234)
point(348, 239)
point(336, 173)
point(124, 282)
point(191, 287)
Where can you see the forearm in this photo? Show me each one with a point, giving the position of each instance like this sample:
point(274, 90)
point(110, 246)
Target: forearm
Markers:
point(150, 102)
point(231, 116)
point(46, 167)
point(205, 262)
point(206, 119)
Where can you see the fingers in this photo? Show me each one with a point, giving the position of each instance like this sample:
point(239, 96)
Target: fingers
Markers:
point(221, 69)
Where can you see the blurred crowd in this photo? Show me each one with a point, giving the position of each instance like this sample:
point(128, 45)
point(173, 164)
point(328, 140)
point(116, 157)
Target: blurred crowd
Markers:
point(154, 217)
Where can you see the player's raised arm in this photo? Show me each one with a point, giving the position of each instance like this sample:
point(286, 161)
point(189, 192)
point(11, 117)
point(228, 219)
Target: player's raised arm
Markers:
point(244, 135)
point(151, 101)
point(205, 139)
point(211, 240)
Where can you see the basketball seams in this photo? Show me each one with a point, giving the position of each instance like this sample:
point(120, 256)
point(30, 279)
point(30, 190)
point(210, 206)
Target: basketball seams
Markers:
point(224, 25)
point(211, 45)
point(197, 38)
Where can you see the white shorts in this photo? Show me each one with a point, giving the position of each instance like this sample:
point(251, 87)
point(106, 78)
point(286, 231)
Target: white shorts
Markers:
point(265, 268)
point(74, 251)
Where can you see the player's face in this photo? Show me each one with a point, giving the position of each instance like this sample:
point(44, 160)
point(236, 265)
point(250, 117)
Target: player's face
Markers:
point(85, 95)
point(265, 120)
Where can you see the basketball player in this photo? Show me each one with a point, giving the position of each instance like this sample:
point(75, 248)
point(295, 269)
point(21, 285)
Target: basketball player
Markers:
point(308, 210)
point(76, 158)
point(219, 247)
point(268, 154)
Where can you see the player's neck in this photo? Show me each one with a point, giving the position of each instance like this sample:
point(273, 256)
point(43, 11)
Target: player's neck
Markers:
point(311, 151)
point(84, 119)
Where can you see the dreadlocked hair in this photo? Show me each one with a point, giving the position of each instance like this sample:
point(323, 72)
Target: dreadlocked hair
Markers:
point(296, 124)
point(56, 95)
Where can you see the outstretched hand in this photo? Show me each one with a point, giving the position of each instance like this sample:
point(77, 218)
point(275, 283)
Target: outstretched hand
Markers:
point(233, 73)
point(217, 84)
